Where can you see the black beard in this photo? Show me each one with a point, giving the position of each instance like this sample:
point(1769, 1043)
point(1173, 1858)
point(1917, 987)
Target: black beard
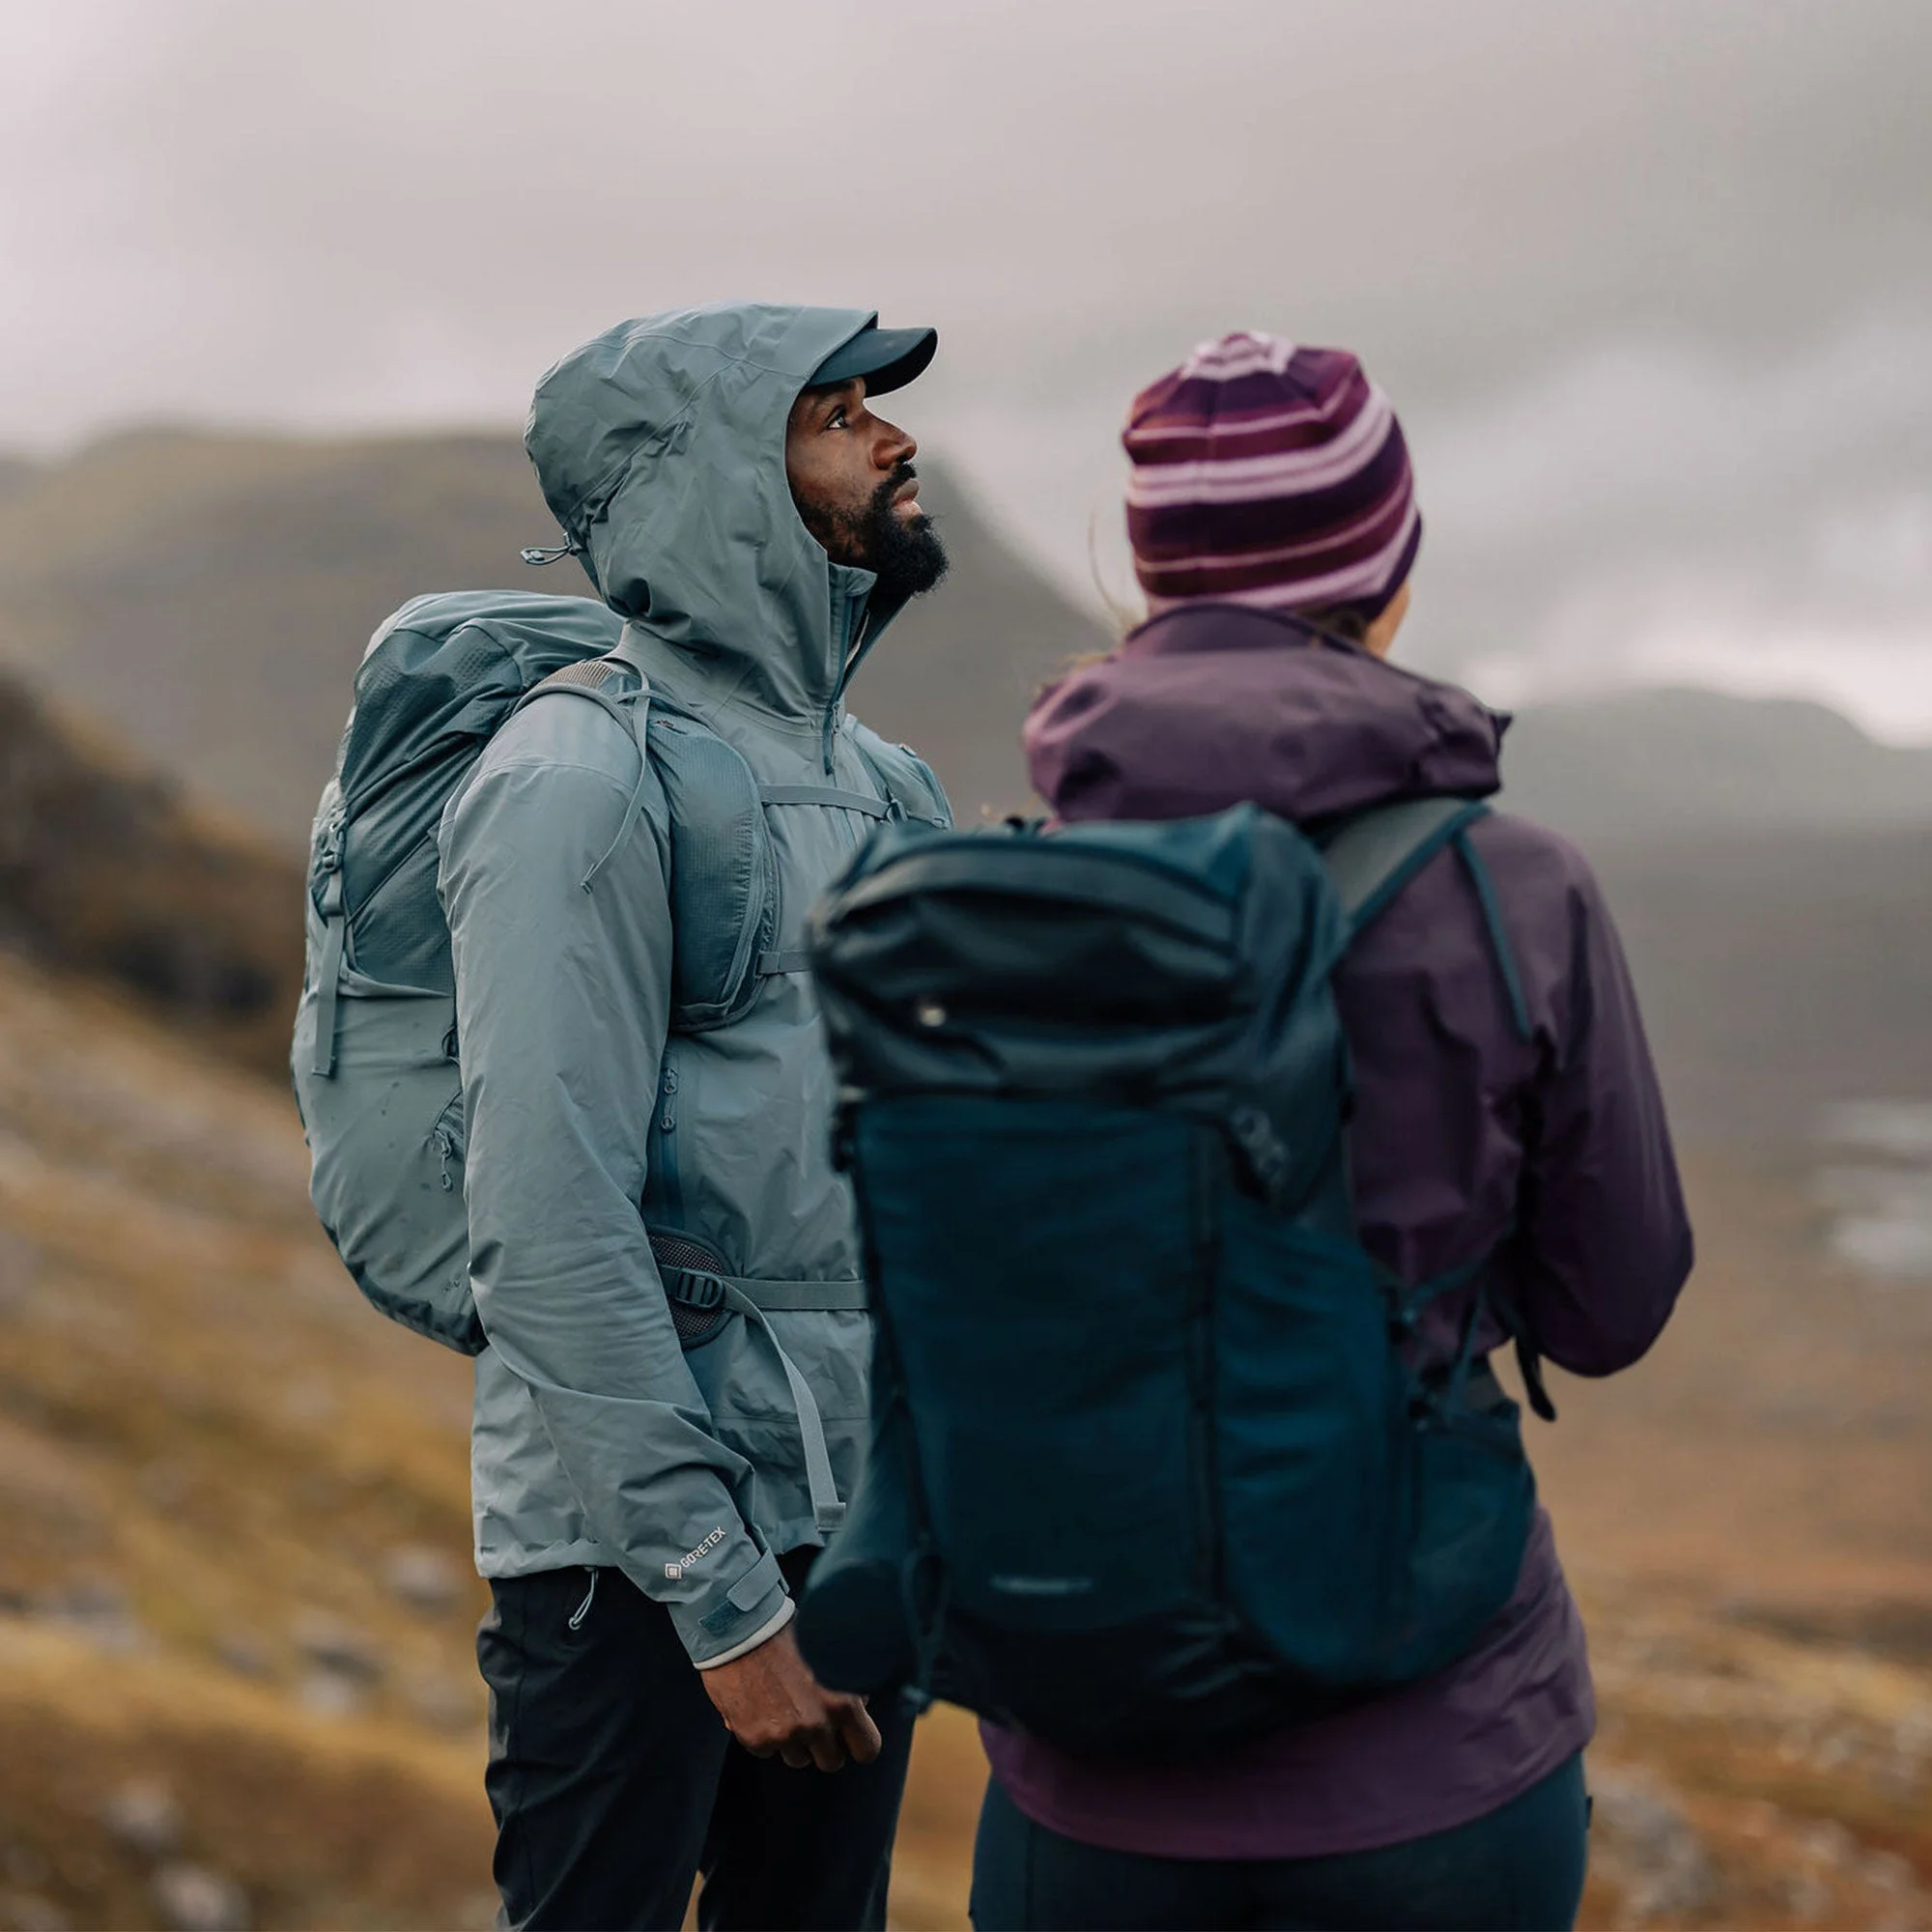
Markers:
point(904, 553)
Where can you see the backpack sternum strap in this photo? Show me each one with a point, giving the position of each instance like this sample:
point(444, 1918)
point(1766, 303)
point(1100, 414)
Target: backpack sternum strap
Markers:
point(778, 962)
point(832, 798)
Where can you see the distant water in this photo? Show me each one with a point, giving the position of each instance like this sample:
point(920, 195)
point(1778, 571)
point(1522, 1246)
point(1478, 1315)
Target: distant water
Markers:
point(1876, 1182)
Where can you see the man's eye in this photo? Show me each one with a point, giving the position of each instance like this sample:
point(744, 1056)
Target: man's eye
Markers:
point(836, 420)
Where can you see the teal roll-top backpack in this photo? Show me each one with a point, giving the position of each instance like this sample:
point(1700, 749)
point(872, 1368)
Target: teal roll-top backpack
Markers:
point(1156, 1461)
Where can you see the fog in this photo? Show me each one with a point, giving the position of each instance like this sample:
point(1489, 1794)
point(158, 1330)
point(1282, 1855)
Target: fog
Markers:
point(1650, 284)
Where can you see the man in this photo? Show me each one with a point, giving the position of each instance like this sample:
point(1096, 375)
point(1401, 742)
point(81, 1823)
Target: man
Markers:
point(645, 1496)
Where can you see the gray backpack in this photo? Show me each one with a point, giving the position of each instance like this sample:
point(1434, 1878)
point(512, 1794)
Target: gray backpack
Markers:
point(375, 1053)
point(375, 1040)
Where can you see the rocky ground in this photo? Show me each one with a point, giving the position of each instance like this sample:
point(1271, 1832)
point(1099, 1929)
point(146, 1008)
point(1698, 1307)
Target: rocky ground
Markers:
point(235, 1610)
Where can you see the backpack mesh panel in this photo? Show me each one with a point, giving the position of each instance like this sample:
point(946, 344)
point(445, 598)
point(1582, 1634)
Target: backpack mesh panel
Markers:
point(717, 879)
point(694, 1325)
point(399, 933)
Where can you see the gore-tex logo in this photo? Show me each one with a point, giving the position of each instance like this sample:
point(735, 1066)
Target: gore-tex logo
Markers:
point(673, 1571)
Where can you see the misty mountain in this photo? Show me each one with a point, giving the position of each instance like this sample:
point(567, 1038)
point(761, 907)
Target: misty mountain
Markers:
point(205, 599)
point(1646, 763)
point(210, 597)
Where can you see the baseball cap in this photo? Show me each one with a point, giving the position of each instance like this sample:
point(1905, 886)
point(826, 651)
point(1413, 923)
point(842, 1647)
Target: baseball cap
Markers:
point(889, 358)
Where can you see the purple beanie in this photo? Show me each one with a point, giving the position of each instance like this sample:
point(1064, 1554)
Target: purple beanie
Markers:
point(1272, 475)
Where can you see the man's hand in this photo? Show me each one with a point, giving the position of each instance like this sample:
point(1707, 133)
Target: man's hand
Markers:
point(771, 1703)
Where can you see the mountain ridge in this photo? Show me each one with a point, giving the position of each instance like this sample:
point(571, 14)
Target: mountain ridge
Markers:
point(207, 594)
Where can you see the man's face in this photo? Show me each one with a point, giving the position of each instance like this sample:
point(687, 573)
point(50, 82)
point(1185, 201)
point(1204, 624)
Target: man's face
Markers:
point(852, 478)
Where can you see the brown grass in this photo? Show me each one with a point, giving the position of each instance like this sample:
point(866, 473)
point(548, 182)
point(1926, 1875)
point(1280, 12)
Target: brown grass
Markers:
point(206, 1441)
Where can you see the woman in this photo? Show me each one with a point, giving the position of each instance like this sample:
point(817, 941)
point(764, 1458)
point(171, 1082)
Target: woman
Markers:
point(1272, 515)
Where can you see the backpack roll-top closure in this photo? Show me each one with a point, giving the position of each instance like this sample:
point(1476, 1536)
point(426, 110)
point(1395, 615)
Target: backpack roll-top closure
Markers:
point(1139, 969)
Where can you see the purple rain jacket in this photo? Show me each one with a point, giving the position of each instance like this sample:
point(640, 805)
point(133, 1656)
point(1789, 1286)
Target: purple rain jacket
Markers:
point(1461, 1130)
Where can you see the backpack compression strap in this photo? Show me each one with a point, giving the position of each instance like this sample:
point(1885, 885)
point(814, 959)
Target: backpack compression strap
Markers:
point(1370, 858)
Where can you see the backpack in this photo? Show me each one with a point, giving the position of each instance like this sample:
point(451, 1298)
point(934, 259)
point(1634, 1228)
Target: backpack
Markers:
point(1156, 1464)
point(375, 1053)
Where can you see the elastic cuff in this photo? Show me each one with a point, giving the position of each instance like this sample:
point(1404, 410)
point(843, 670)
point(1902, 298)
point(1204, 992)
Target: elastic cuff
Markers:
point(751, 1643)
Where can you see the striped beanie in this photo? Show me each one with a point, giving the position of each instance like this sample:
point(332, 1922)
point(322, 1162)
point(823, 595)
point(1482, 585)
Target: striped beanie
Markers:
point(1270, 474)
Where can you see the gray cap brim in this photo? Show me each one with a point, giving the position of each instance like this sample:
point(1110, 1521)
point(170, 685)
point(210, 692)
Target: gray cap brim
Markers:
point(889, 358)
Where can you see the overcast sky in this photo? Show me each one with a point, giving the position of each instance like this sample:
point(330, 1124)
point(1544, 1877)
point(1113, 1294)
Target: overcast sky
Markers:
point(1651, 284)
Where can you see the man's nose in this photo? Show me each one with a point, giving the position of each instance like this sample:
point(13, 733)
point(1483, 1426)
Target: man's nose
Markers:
point(895, 446)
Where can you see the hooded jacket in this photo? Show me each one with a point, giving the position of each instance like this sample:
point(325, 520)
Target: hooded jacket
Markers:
point(597, 1440)
point(1466, 1139)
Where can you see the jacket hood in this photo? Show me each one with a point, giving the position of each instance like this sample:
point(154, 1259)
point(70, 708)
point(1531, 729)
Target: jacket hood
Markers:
point(1216, 704)
point(660, 449)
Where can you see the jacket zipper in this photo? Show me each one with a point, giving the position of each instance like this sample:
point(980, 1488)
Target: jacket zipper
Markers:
point(666, 1122)
point(848, 661)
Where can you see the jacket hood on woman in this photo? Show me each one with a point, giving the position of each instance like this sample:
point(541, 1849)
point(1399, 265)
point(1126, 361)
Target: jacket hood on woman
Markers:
point(1219, 702)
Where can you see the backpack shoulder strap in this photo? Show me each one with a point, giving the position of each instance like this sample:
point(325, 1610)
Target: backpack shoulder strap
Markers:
point(631, 710)
point(903, 776)
point(1372, 856)
point(1370, 859)
point(723, 883)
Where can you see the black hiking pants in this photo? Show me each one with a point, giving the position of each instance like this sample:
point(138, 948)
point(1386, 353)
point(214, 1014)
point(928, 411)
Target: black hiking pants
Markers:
point(1518, 1868)
point(614, 1782)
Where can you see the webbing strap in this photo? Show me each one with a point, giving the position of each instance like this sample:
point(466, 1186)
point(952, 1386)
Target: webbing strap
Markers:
point(757, 1582)
point(1493, 918)
point(776, 964)
point(779, 1297)
point(335, 928)
point(810, 1297)
point(1374, 855)
point(827, 1512)
point(1528, 1357)
point(829, 796)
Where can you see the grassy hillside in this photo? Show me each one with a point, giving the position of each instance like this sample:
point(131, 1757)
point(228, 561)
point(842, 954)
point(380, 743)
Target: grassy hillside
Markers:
point(236, 1612)
point(109, 872)
point(210, 597)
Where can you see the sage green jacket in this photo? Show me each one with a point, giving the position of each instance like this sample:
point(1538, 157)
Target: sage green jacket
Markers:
point(597, 1441)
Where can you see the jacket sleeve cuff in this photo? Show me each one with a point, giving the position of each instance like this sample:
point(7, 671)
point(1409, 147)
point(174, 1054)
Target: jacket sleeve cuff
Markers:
point(751, 1643)
point(736, 1617)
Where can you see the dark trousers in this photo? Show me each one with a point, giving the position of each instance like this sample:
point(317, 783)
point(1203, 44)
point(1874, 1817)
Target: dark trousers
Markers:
point(614, 1782)
point(1517, 1869)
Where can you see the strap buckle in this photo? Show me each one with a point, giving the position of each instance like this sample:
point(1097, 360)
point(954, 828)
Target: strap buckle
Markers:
point(691, 1289)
